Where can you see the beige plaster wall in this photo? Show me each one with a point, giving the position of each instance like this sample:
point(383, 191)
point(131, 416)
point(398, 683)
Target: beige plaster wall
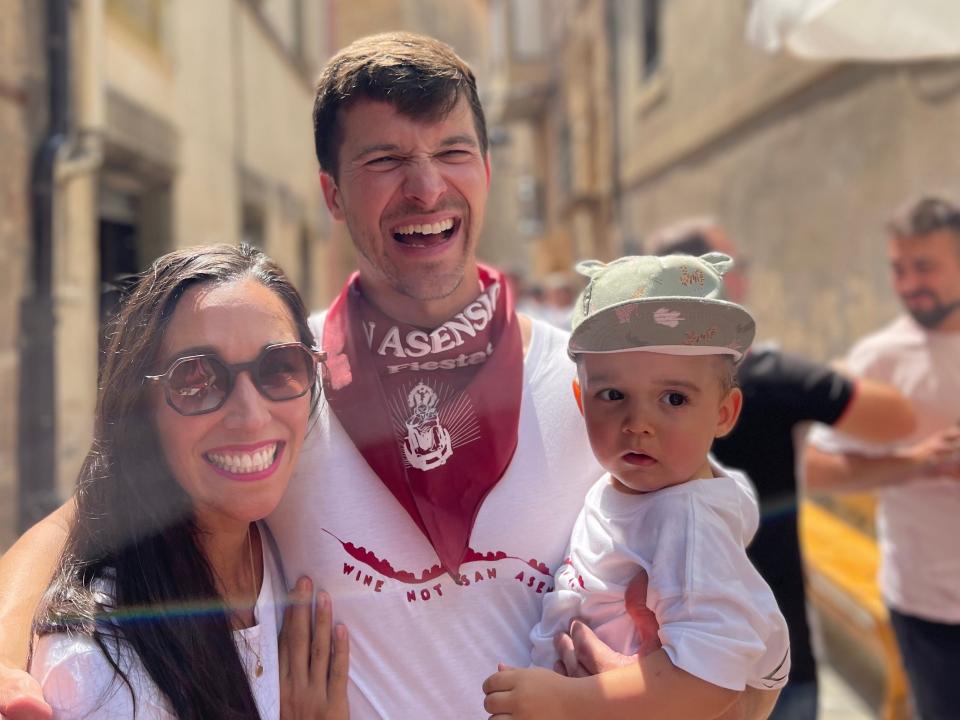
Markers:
point(20, 78)
point(275, 139)
point(805, 187)
point(137, 67)
point(206, 78)
point(76, 298)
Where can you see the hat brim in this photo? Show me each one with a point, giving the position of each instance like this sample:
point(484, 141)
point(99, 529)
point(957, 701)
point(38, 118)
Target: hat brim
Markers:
point(688, 326)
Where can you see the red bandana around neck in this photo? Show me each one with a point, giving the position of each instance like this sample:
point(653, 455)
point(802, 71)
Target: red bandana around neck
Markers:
point(434, 413)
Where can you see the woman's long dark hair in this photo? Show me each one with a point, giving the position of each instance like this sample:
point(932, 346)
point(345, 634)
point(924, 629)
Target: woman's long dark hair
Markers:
point(134, 523)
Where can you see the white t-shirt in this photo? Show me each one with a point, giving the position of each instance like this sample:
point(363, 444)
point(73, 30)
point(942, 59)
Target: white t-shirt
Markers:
point(80, 684)
point(718, 618)
point(916, 523)
point(421, 645)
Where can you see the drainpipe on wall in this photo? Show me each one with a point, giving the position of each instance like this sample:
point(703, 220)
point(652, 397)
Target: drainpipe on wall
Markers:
point(72, 148)
point(620, 231)
point(37, 396)
point(85, 153)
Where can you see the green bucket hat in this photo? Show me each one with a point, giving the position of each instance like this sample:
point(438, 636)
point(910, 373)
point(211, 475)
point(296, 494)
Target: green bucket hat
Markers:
point(671, 304)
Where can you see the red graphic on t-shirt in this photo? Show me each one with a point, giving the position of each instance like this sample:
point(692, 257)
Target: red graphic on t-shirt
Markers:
point(568, 561)
point(383, 566)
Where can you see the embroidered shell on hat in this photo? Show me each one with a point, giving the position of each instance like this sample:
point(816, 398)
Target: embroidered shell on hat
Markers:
point(668, 317)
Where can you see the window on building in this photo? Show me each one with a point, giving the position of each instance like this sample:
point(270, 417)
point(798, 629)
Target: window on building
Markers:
point(527, 29)
point(565, 160)
point(285, 20)
point(650, 13)
point(305, 286)
point(532, 205)
point(498, 33)
point(118, 234)
point(146, 18)
point(296, 11)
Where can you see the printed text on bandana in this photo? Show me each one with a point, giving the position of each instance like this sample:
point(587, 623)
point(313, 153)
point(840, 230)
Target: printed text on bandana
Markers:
point(447, 337)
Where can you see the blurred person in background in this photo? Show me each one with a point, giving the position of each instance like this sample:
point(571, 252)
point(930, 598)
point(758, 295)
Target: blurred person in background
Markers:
point(916, 480)
point(528, 294)
point(559, 291)
point(782, 391)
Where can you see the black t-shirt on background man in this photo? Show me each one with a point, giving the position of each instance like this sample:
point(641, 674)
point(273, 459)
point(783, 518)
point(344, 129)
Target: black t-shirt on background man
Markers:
point(781, 391)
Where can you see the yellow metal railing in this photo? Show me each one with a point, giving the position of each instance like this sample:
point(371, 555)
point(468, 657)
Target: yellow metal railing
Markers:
point(842, 564)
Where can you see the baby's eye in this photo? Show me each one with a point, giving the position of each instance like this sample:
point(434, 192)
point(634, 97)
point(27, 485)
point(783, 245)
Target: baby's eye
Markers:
point(674, 399)
point(610, 394)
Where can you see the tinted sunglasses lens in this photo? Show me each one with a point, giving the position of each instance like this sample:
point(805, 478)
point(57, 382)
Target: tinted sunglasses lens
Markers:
point(197, 385)
point(285, 373)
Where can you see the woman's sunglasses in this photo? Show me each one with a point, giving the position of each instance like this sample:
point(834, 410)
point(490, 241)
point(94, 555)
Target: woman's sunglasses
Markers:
point(199, 384)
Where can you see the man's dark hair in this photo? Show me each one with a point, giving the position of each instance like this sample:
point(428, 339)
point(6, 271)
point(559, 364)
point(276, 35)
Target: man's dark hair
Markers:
point(693, 244)
point(421, 77)
point(686, 237)
point(927, 215)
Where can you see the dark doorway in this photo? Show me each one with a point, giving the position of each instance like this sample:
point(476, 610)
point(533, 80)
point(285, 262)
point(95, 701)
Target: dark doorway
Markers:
point(119, 263)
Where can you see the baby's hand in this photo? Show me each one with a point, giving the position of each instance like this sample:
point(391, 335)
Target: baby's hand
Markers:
point(525, 694)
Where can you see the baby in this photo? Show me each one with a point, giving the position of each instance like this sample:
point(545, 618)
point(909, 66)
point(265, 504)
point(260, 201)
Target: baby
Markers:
point(656, 349)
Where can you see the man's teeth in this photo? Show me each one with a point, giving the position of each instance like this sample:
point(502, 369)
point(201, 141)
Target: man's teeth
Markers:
point(240, 463)
point(428, 229)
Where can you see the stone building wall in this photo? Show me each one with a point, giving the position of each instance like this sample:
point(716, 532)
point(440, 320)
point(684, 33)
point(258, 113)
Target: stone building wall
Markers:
point(22, 119)
point(802, 162)
point(191, 122)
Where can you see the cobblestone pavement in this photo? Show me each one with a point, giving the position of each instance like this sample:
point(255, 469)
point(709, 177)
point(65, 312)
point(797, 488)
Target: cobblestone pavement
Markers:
point(838, 701)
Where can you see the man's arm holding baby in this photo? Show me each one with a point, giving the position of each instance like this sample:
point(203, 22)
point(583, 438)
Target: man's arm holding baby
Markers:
point(590, 675)
point(26, 569)
point(582, 652)
point(651, 686)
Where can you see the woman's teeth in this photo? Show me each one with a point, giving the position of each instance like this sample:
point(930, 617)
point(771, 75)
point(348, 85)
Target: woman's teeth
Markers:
point(241, 463)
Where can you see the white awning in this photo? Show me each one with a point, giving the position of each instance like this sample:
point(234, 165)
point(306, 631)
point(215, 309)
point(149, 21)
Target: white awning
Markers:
point(874, 30)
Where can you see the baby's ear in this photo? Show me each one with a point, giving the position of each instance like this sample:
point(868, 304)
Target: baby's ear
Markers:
point(577, 394)
point(590, 268)
point(729, 412)
point(721, 261)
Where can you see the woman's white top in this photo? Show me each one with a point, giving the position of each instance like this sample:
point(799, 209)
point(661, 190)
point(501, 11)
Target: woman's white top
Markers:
point(79, 682)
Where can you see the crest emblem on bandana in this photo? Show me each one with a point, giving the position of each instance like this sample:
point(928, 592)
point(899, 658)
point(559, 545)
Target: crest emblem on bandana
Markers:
point(432, 423)
point(427, 444)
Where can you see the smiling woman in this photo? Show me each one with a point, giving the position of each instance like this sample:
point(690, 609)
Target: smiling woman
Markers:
point(214, 429)
point(168, 595)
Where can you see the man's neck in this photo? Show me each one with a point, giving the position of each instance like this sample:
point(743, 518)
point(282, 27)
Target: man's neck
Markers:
point(951, 323)
point(426, 314)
